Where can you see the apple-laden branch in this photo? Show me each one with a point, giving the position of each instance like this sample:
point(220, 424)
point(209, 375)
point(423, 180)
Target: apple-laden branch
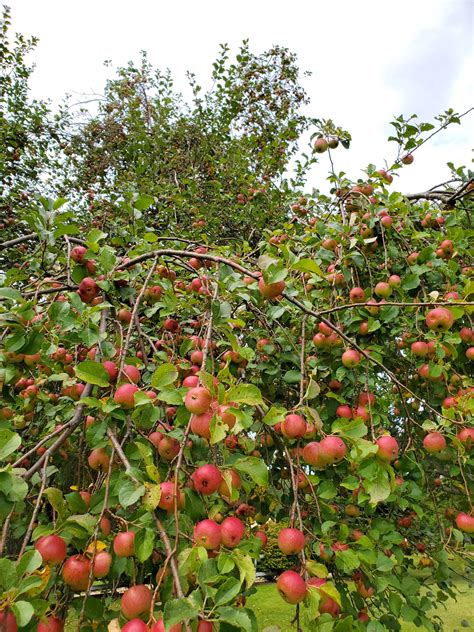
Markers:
point(307, 310)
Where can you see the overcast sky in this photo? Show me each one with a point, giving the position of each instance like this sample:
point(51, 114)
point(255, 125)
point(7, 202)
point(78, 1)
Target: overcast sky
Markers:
point(370, 60)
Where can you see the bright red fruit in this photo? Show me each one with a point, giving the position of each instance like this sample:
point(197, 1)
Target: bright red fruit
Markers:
point(232, 531)
point(102, 564)
point(135, 625)
point(332, 449)
point(207, 533)
point(88, 290)
point(291, 541)
point(205, 626)
point(292, 587)
point(136, 601)
point(52, 549)
point(263, 537)
point(198, 400)
point(124, 544)
point(293, 426)
point(159, 626)
point(439, 319)
point(168, 497)
point(350, 358)
point(124, 395)
point(8, 622)
point(270, 290)
point(52, 624)
point(207, 479)
point(465, 522)
point(312, 454)
point(466, 437)
point(76, 571)
point(99, 460)
point(434, 442)
point(326, 603)
point(388, 448)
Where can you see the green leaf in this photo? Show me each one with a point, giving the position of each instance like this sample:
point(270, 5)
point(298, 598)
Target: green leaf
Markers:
point(23, 612)
point(316, 569)
point(246, 567)
point(171, 396)
point(227, 591)
point(378, 487)
point(143, 202)
point(7, 573)
point(308, 265)
point(129, 493)
point(33, 343)
point(239, 617)
point(331, 591)
point(30, 561)
point(92, 373)
point(177, 611)
point(13, 487)
point(218, 430)
point(347, 561)
point(353, 429)
point(292, 377)
point(144, 542)
point(411, 281)
point(11, 294)
point(9, 442)
point(94, 608)
point(255, 468)
point(327, 490)
point(274, 416)
point(311, 604)
point(85, 521)
point(57, 501)
point(164, 375)
point(245, 394)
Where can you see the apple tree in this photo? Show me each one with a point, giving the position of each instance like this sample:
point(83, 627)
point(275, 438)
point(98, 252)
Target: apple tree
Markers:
point(167, 400)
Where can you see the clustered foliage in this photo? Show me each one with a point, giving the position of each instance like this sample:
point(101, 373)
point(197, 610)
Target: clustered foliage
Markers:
point(174, 402)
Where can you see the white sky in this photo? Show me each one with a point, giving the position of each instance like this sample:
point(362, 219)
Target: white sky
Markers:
point(370, 60)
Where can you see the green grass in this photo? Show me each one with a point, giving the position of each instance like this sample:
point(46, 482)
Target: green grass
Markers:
point(271, 610)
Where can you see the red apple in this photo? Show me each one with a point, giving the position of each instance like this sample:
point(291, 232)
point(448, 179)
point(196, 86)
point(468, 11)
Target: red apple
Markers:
point(198, 400)
point(291, 541)
point(270, 290)
point(102, 564)
point(124, 395)
point(292, 587)
point(332, 449)
point(52, 548)
point(135, 625)
point(232, 531)
point(293, 426)
point(99, 460)
point(465, 522)
point(350, 358)
point(434, 442)
point(76, 571)
point(207, 479)
point(124, 544)
point(388, 448)
point(207, 533)
point(439, 319)
point(51, 624)
point(136, 601)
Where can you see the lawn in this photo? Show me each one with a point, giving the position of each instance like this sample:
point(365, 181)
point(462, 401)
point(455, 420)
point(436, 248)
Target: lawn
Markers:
point(272, 612)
